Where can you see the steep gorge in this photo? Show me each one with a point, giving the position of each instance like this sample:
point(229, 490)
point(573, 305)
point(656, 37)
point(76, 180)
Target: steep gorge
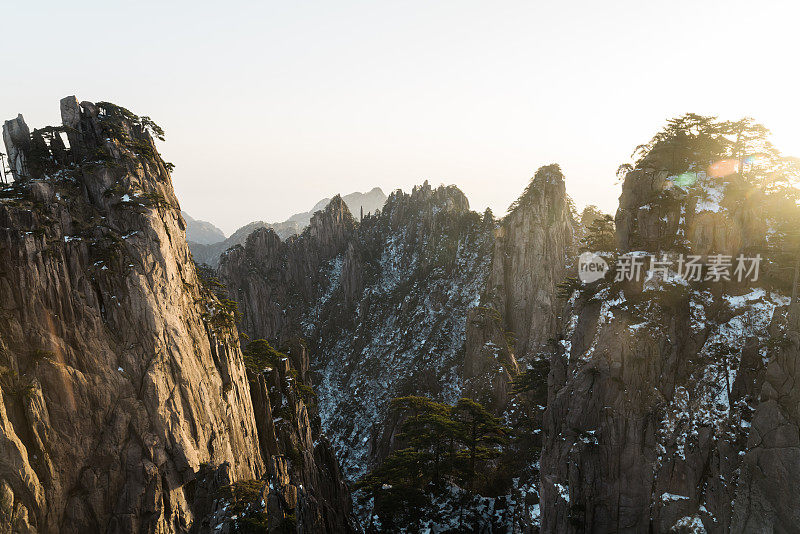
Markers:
point(424, 298)
point(129, 406)
point(388, 293)
point(659, 405)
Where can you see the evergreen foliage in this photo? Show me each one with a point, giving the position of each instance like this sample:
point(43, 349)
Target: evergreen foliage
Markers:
point(443, 443)
point(758, 176)
point(114, 115)
point(692, 142)
point(600, 235)
point(533, 381)
point(259, 354)
point(246, 509)
point(130, 130)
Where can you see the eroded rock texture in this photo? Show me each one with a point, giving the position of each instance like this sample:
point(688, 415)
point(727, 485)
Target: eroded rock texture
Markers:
point(274, 281)
point(304, 489)
point(424, 298)
point(382, 305)
point(766, 499)
point(119, 378)
point(533, 250)
point(126, 405)
point(652, 393)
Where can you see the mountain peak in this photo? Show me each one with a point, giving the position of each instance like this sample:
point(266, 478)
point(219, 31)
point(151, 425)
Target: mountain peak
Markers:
point(546, 186)
point(337, 204)
point(202, 232)
point(333, 222)
point(356, 203)
point(109, 318)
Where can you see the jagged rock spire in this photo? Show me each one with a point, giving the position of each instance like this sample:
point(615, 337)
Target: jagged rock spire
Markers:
point(17, 138)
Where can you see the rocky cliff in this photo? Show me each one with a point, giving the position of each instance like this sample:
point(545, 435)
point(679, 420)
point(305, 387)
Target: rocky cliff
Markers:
point(655, 404)
point(640, 394)
point(117, 383)
point(426, 298)
point(275, 281)
point(533, 251)
point(382, 305)
point(126, 404)
point(765, 496)
point(358, 204)
point(304, 489)
point(653, 389)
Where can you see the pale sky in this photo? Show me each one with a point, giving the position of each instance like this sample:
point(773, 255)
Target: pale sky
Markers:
point(271, 106)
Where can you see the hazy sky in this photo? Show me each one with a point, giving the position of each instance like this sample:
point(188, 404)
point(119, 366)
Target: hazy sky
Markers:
point(270, 106)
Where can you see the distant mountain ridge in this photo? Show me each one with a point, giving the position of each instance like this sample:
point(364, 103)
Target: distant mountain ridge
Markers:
point(202, 232)
point(208, 252)
point(370, 202)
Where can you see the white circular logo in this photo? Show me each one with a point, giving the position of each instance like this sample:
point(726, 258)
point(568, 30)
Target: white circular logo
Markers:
point(591, 267)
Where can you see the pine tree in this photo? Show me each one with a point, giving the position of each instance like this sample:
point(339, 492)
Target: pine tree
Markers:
point(428, 429)
point(600, 236)
point(440, 442)
point(480, 431)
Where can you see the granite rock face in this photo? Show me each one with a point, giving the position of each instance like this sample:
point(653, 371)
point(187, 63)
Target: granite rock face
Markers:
point(17, 138)
point(382, 305)
point(274, 281)
point(423, 299)
point(126, 404)
point(118, 379)
point(766, 500)
point(304, 489)
point(534, 247)
point(656, 383)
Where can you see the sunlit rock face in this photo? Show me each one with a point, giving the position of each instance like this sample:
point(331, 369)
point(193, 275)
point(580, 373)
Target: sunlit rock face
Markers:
point(711, 215)
point(119, 377)
point(533, 249)
point(126, 404)
point(657, 384)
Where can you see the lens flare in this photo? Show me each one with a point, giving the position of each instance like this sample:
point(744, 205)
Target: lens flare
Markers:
point(755, 160)
point(723, 167)
point(687, 179)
